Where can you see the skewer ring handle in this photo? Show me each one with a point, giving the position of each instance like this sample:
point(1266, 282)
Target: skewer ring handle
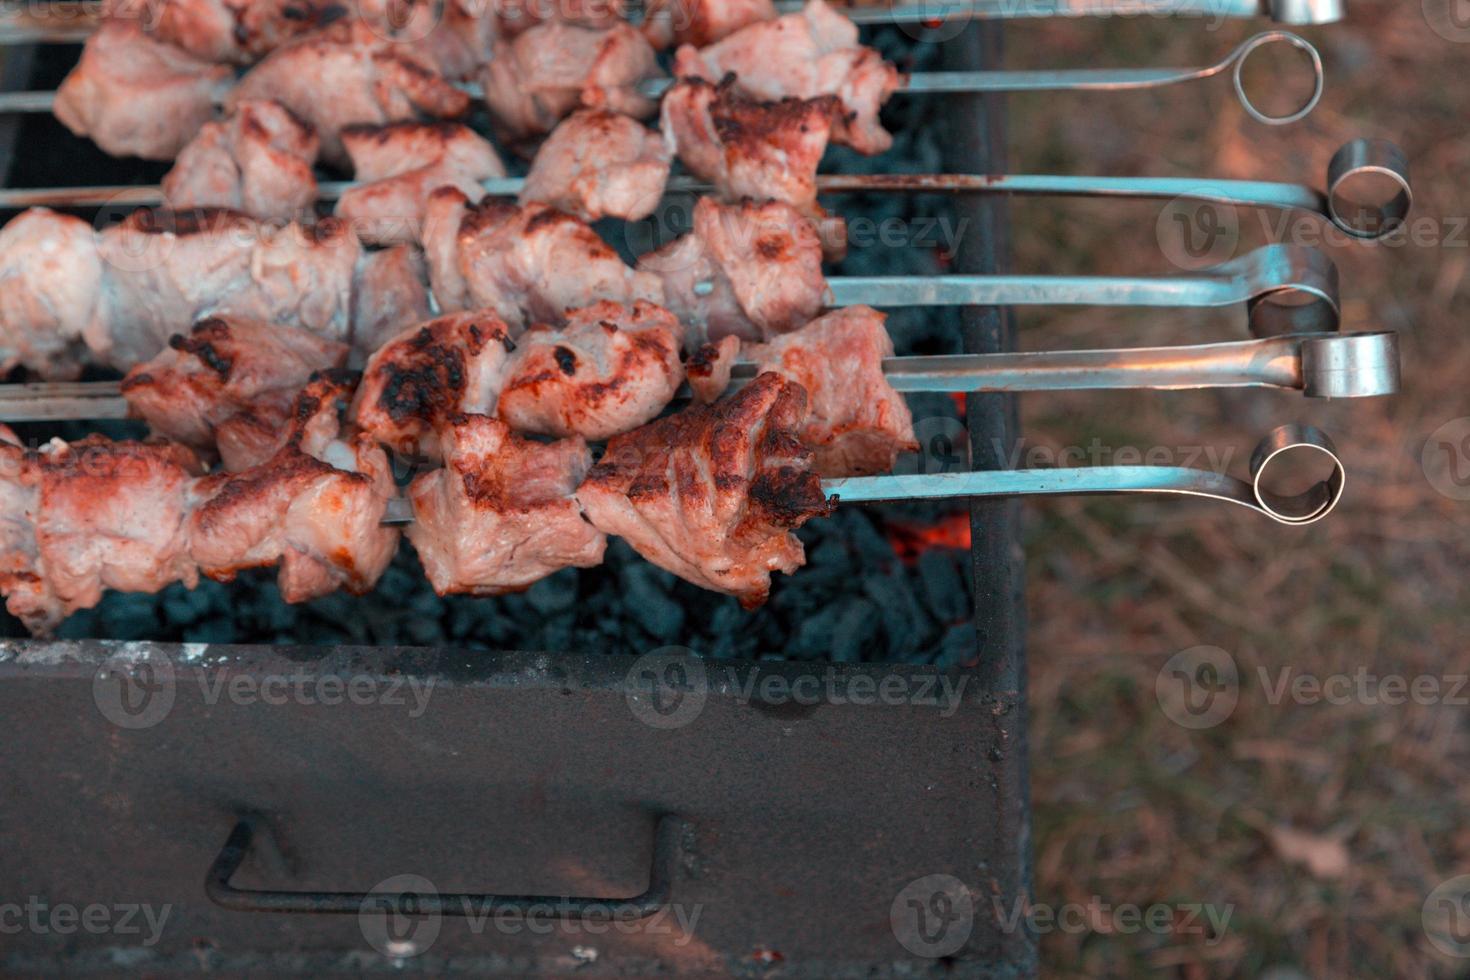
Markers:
point(1306, 11)
point(1375, 159)
point(1356, 365)
point(1250, 47)
point(1293, 289)
point(1297, 442)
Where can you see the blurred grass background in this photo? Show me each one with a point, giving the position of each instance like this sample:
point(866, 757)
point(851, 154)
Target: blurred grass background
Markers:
point(1323, 826)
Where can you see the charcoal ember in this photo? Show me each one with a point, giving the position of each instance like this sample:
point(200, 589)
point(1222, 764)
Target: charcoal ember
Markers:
point(905, 623)
point(216, 629)
point(957, 647)
point(554, 593)
point(131, 617)
point(813, 635)
point(855, 630)
point(649, 604)
point(943, 584)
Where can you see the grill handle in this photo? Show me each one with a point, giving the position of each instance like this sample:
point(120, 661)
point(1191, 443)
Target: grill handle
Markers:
point(666, 854)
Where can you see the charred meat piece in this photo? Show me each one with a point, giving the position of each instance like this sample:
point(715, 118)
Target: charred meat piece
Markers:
point(598, 163)
point(765, 151)
point(713, 493)
point(453, 35)
point(535, 80)
point(390, 294)
point(235, 31)
point(708, 369)
point(501, 514)
point(701, 22)
point(512, 17)
point(230, 383)
point(28, 595)
point(137, 96)
point(745, 270)
point(347, 75)
point(449, 366)
point(168, 270)
point(257, 161)
point(803, 55)
point(315, 507)
point(608, 370)
point(856, 423)
point(107, 515)
point(50, 288)
point(397, 166)
point(529, 264)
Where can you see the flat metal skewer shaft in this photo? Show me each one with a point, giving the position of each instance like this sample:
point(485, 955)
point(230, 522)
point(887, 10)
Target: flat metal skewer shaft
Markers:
point(1355, 159)
point(1291, 440)
point(73, 23)
point(1360, 365)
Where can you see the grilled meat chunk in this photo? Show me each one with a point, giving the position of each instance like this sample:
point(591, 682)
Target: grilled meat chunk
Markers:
point(346, 75)
point(390, 294)
point(708, 369)
point(513, 17)
point(856, 423)
point(701, 22)
point(28, 595)
point(257, 161)
point(745, 270)
point(165, 271)
point(501, 514)
point(803, 55)
point(528, 264)
point(229, 384)
point(598, 163)
point(50, 286)
point(535, 80)
point(315, 507)
point(417, 380)
point(749, 149)
point(397, 166)
point(456, 36)
point(610, 369)
point(235, 31)
point(107, 515)
point(713, 493)
point(137, 96)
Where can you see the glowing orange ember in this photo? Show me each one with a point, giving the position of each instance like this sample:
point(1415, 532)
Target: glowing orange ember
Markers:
point(912, 540)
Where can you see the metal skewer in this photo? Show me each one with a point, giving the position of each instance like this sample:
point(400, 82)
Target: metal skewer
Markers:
point(1085, 79)
point(1300, 441)
point(1327, 365)
point(1354, 160)
point(73, 23)
point(1360, 365)
point(1285, 288)
point(1290, 440)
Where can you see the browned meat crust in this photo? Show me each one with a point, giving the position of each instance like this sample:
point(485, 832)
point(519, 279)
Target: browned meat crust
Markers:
point(713, 493)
